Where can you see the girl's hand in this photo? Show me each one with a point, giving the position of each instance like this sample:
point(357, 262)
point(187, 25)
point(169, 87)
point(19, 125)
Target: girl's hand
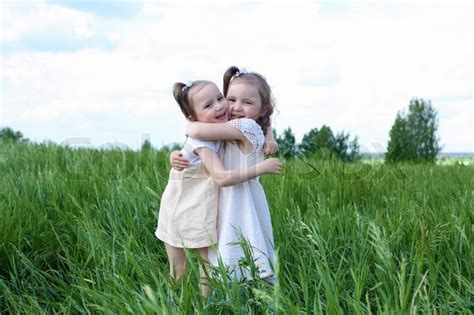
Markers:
point(271, 166)
point(177, 161)
point(270, 146)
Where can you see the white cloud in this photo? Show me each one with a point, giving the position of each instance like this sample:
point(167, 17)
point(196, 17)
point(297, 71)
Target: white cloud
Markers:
point(21, 19)
point(351, 66)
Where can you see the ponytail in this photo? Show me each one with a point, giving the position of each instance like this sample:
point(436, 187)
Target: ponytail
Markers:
point(228, 75)
point(181, 96)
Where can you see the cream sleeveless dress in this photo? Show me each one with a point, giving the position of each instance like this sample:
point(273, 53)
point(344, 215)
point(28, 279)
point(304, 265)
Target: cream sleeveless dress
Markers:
point(188, 209)
point(243, 209)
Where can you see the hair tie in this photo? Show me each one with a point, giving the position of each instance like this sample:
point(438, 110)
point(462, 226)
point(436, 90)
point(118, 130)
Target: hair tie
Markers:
point(239, 72)
point(242, 71)
point(187, 85)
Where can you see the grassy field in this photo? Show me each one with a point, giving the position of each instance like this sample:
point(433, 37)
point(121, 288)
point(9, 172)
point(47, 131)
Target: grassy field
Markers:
point(77, 237)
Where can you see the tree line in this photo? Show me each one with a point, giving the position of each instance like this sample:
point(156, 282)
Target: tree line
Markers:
point(412, 138)
point(320, 143)
point(7, 134)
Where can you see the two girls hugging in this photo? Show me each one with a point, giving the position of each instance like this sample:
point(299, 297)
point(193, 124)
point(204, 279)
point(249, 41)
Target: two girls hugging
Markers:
point(213, 198)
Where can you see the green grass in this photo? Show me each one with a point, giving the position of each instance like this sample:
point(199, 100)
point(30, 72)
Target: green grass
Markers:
point(77, 236)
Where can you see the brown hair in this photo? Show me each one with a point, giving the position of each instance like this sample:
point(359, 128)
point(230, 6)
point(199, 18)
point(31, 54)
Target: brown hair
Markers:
point(268, 103)
point(182, 95)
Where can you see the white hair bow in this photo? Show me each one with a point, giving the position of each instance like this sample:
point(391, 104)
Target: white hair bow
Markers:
point(187, 85)
point(241, 71)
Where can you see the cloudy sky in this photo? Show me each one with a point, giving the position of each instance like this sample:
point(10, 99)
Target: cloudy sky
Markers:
point(100, 72)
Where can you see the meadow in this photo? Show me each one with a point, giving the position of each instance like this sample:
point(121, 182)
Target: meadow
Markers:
point(77, 236)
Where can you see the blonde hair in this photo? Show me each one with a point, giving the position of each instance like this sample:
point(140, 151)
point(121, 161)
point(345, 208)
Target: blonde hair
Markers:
point(233, 74)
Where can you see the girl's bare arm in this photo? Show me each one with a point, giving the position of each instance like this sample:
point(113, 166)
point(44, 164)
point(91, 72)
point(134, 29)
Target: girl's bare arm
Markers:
point(225, 178)
point(214, 131)
point(270, 146)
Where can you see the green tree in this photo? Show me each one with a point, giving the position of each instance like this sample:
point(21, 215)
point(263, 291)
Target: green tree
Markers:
point(7, 134)
point(307, 145)
point(399, 145)
point(286, 143)
point(325, 144)
point(345, 149)
point(146, 145)
point(413, 134)
point(324, 139)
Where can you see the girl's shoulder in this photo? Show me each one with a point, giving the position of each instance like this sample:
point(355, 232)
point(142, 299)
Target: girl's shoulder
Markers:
point(246, 124)
point(192, 144)
point(251, 130)
point(202, 143)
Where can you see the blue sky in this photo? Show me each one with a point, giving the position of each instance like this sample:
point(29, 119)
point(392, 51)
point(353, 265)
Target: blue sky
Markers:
point(104, 70)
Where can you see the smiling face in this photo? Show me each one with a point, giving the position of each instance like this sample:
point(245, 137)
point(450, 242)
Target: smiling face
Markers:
point(244, 100)
point(209, 104)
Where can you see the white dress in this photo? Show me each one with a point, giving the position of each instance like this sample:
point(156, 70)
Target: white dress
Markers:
point(243, 209)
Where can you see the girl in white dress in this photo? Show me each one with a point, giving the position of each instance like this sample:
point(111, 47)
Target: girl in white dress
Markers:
point(243, 208)
point(188, 210)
